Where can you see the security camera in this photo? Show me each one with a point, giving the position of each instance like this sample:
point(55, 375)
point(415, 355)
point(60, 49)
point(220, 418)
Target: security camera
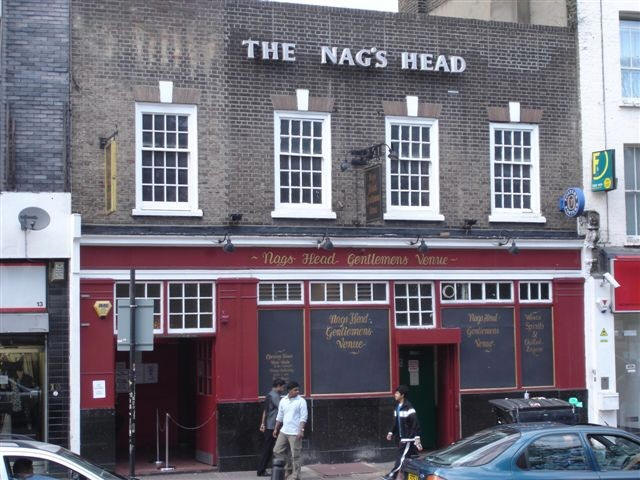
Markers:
point(612, 281)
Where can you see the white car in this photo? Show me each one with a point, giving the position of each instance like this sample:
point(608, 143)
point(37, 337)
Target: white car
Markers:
point(23, 459)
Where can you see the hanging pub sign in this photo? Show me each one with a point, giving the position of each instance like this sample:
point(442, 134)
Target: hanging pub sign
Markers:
point(603, 171)
point(572, 202)
point(362, 57)
point(373, 193)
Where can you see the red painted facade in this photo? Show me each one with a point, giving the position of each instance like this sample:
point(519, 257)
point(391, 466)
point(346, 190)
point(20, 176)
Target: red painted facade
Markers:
point(234, 356)
point(626, 270)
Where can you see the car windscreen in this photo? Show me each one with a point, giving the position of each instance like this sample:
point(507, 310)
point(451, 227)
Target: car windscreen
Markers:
point(478, 449)
point(81, 462)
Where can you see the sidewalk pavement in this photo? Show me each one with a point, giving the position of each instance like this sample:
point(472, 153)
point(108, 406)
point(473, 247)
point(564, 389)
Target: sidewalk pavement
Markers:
point(352, 471)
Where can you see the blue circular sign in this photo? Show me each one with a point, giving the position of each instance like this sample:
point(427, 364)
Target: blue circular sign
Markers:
point(572, 203)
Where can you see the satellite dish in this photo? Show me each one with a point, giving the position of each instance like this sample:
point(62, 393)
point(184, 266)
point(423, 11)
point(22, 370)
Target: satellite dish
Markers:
point(33, 218)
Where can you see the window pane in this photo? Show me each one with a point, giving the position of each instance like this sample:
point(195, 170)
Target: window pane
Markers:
point(317, 292)
point(613, 453)
point(556, 452)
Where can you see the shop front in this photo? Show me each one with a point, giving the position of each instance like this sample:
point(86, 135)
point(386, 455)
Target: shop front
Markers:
point(626, 315)
point(457, 325)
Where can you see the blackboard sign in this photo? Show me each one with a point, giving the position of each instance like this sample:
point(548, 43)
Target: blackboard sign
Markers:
point(350, 351)
point(536, 347)
point(487, 350)
point(280, 347)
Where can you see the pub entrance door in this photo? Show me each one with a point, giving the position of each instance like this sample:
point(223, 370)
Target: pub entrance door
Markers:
point(418, 369)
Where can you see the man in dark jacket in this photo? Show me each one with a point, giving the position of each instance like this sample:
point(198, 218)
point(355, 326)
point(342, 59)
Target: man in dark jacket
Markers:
point(405, 428)
point(269, 413)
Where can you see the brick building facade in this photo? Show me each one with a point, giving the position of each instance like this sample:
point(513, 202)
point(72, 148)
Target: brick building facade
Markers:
point(35, 292)
point(144, 75)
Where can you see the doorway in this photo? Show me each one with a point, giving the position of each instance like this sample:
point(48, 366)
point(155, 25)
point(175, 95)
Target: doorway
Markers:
point(418, 370)
point(175, 378)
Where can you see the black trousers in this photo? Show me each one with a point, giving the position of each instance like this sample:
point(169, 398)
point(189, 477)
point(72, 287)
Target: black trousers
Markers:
point(267, 451)
point(405, 450)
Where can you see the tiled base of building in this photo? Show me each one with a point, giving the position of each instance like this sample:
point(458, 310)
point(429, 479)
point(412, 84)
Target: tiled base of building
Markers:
point(98, 437)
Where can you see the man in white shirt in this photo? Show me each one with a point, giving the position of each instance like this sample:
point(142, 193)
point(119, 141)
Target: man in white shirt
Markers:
point(290, 421)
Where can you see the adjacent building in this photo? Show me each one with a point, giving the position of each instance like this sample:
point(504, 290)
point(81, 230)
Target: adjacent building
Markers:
point(350, 199)
point(609, 62)
point(38, 232)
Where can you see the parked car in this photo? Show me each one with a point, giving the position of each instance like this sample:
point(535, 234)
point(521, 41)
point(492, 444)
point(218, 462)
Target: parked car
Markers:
point(534, 451)
point(18, 454)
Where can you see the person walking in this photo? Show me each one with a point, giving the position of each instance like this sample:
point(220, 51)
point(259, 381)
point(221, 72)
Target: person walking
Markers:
point(405, 428)
point(289, 430)
point(268, 423)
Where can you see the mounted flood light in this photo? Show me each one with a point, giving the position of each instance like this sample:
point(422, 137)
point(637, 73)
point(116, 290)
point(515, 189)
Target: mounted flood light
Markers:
point(422, 245)
point(325, 243)
point(506, 239)
point(228, 247)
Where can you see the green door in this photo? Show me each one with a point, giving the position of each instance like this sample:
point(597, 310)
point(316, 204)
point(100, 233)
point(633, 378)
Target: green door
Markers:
point(417, 372)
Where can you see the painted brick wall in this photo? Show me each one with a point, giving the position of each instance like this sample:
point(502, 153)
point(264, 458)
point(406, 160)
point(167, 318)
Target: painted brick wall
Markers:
point(35, 87)
point(139, 44)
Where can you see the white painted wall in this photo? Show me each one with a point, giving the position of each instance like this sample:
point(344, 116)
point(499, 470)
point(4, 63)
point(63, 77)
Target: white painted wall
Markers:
point(606, 123)
point(55, 241)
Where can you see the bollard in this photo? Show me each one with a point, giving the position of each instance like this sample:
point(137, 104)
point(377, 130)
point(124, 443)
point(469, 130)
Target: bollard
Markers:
point(277, 470)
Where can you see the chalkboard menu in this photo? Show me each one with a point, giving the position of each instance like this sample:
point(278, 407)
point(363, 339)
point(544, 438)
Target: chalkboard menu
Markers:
point(280, 347)
point(487, 350)
point(350, 351)
point(536, 347)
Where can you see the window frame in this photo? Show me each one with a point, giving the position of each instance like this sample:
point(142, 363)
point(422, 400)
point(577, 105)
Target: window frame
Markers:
point(303, 210)
point(630, 24)
point(528, 283)
point(146, 283)
point(635, 165)
point(212, 329)
point(483, 300)
point(432, 212)
point(433, 305)
point(518, 215)
point(189, 208)
point(281, 302)
point(386, 301)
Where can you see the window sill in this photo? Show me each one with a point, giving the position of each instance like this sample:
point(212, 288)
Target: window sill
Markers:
point(414, 216)
point(630, 103)
point(303, 213)
point(136, 212)
point(517, 218)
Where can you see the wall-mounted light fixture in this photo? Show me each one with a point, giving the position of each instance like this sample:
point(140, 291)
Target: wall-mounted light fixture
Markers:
point(506, 239)
point(228, 247)
point(325, 243)
point(361, 157)
point(468, 225)
point(235, 217)
point(422, 245)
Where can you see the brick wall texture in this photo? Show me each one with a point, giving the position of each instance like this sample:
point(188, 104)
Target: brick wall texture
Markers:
point(35, 89)
point(120, 45)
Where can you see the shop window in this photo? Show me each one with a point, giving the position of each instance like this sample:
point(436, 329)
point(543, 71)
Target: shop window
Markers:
point(554, 452)
point(535, 291)
point(149, 290)
point(615, 453)
point(348, 292)
point(630, 59)
point(476, 292)
point(204, 368)
point(413, 175)
point(414, 306)
point(302, 165)
point(632, 189)
point(166, 160)
point(191, 307)
point(279, 292)
point(515, 176)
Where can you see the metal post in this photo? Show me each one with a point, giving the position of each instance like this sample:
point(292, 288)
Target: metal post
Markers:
point(167, 467)
point(158, 461)
point(132, 375)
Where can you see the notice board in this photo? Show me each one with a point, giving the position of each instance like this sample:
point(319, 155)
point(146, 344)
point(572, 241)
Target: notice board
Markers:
point(536, 347)
point(280, 347)
point(487, 347)
point(350, 351)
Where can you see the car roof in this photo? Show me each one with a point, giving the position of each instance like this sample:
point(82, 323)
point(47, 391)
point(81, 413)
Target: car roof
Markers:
point(534, 427)
point(22, 442)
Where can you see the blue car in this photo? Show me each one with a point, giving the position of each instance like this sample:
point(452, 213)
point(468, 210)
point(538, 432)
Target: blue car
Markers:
point(534, 451)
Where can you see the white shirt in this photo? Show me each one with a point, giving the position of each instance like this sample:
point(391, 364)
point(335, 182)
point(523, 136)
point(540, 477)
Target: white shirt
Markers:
point(292, 411)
